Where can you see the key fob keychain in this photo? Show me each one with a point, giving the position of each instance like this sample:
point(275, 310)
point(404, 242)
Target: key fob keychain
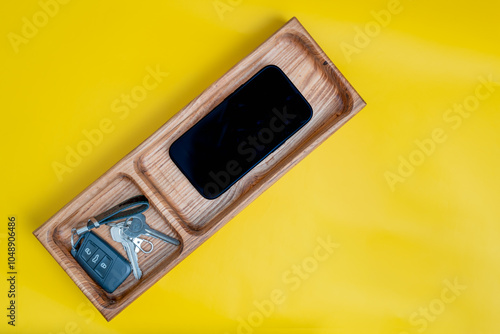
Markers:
point(101, 261)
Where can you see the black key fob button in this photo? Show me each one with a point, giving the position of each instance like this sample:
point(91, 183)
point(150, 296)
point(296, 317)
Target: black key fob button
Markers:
point(88, 251)
point(103, 266)
point(96, 258)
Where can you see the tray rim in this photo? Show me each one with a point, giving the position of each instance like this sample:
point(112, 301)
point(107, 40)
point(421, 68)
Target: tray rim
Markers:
point(44, 233)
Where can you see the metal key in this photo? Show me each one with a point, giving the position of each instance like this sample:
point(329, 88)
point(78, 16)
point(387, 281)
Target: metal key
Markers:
point(137, 226)
point(118, 236)
point(137, 241)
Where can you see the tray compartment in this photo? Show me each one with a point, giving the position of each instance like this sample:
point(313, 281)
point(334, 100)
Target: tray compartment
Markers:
point(120, 189)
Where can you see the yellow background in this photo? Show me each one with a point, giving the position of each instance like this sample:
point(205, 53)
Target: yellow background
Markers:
point(397, 247)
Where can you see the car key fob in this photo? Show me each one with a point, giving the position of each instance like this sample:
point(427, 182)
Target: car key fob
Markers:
point(101, 261)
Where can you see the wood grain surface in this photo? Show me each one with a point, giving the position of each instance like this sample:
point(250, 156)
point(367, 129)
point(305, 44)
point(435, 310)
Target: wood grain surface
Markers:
point(177, 209)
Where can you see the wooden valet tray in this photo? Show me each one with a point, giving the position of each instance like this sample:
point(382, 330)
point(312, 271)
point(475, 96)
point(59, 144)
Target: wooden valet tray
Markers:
point(177, 209)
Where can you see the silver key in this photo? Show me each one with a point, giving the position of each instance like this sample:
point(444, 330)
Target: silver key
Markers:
point(118, 236)
point(137, 241)
point(137, 226)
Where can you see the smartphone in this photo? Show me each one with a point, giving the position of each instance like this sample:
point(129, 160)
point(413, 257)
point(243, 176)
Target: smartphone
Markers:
point(240, 132)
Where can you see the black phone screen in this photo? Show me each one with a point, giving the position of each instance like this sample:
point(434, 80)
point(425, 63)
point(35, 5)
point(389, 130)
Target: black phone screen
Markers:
point(241, 131)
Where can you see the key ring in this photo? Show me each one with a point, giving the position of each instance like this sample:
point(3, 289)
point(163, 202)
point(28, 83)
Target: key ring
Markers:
point(138, 243)
point(73, 233)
